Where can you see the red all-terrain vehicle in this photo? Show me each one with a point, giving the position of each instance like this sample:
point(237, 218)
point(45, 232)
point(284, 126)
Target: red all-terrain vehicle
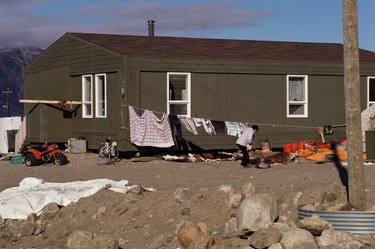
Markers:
point(44, 154)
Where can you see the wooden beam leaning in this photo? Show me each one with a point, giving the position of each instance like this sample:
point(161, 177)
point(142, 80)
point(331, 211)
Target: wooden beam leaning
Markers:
point(32, 101)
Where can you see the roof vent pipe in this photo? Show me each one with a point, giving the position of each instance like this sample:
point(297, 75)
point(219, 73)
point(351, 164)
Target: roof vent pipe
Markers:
point(150, 27)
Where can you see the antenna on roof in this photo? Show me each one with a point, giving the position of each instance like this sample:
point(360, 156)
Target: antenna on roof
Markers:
point(150, 27)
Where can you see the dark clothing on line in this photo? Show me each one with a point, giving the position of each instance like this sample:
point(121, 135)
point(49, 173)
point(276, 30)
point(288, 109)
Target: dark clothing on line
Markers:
point(219, 126)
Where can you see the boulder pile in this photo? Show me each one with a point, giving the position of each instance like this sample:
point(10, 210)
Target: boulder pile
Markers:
point(249, 220)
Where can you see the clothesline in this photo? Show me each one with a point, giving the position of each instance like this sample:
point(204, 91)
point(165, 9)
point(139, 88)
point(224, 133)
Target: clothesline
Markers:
point(261, 124)
point(139, 108)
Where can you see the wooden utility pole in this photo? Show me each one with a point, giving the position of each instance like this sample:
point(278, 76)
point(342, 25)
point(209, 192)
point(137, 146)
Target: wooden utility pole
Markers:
point(7, 92)
point(356, 187)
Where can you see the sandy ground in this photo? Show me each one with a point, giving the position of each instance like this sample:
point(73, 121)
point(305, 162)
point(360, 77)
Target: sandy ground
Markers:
point(153, 216)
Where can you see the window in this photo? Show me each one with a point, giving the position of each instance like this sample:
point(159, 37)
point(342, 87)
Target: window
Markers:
point(87, 92)
point(297, 96)
point(100, 96)
point(178, 87)
point(370, 90)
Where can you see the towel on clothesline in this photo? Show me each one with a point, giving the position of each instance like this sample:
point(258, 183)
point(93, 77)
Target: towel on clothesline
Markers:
point(233, 128)
point(188, 123)
point(148, 130)
point(207, 125)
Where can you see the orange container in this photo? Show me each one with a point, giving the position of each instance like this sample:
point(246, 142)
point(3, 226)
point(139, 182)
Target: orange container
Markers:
point(295, 146)
point(300, 145)
point(325, 146)
point(287, 147)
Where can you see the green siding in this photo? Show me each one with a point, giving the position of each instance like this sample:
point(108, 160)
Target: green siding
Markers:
point(86, 58)
point(56, 75)
point(81, 57)
point(46, 123)
point(235, 66)
point(53, 57)
point(208, 95)
point(153, 91)
point(229, 90)
point(247, 98)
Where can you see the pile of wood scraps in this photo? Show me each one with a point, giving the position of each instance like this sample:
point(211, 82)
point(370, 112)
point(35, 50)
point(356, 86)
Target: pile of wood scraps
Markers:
point(325, 154)
point(204, 157)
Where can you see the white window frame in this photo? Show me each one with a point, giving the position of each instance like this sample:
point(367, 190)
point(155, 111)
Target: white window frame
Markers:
point(304, 102)
point(87, 80)
point(369, 103)
point(180, 102)
point(98, 100)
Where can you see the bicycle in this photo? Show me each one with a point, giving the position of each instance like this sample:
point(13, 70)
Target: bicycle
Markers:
point(108, 149)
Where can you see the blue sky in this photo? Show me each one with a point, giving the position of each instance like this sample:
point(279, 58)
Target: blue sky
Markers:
point(40, 22)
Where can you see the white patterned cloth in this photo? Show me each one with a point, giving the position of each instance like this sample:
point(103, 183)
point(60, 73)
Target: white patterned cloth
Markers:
point(207, 125)
point(188, 123)
point(148, 130)
point(233, 128)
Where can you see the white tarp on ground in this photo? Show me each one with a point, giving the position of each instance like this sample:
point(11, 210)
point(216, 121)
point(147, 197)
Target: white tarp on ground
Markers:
point(33, 194)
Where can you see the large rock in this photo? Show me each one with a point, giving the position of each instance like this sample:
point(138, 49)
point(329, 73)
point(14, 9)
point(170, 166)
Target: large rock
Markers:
point(367, 240)
point(276, 246)
point(187, 232)
point(313, 224)
point(49, 211)
point(104, 241)
point(265, 237)
point(338, 239)
point(298, 238)
point(27, 229)
point(281, 227)
point(230, 228)
point(204, 228)
point(224, 244)
point(255, 213)
point(248, 190)
point(234, 200)
point(79, 240)
point(314, 207)
point(202, 242)
point(32, 218)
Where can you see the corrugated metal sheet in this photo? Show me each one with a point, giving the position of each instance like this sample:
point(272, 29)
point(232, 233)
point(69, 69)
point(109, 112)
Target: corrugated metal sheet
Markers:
point(355, 222)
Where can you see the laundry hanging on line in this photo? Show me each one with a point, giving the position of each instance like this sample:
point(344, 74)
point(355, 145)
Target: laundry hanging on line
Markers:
point(149, 130)
point(233, 128)
point(207, 125)
point(219, 126)
point(149, 138)
point(188, 123)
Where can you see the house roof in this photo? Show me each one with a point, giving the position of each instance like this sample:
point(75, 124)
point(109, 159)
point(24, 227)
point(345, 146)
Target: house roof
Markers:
point(220, 48)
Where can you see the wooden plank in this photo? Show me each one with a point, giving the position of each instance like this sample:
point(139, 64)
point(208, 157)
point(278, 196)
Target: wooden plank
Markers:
point(145, 159)
point(32, 101)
